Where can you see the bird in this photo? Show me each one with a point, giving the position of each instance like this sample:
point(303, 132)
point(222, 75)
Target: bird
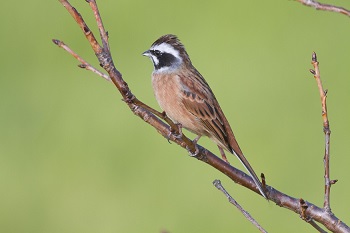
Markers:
point(186, 98)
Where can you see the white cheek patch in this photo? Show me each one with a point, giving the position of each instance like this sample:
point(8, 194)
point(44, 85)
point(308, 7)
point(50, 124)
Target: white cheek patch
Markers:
point(166, 48)
point(155, 60)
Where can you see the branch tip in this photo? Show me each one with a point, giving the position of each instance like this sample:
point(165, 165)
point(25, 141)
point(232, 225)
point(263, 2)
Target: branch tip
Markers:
point(216, 183)
point(56, 42)
point(314, 57)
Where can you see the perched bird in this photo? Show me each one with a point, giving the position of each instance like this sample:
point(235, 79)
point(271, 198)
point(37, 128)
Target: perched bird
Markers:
point(187, 99)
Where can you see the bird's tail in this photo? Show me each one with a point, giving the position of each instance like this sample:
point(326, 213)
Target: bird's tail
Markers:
point(255, 178)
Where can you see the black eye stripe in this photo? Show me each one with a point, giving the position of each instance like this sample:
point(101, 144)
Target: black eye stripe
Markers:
point(163, 59)
point(157, 52)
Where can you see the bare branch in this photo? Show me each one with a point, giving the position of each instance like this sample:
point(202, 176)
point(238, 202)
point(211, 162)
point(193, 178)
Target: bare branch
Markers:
point(84, 64)
point(77, 17)
point(155, 119)
point(324, 7)
point(218, 185)
point(326, 130)
point(103, 33)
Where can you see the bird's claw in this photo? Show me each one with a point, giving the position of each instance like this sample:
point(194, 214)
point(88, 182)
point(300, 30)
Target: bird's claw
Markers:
point(196, 152)
point(176, 133)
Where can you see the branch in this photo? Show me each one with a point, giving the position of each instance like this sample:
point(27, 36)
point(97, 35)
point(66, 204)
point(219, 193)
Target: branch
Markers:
point(327, 132)
point(218, 185)
point(324, 7)
point(155, 119)
point(84, 64)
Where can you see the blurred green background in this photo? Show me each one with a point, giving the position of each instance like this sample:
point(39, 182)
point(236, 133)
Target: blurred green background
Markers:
point(73, 158)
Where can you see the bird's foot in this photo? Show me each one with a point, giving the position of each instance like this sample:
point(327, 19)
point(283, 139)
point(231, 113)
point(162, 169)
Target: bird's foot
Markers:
point(177, 133)
point(196, 152)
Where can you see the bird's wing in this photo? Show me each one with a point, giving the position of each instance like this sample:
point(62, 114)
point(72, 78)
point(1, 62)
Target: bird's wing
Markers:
point(200, 101)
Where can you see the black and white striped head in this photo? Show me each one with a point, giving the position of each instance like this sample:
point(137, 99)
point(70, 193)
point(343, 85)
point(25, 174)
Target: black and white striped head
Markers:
point(167, 54)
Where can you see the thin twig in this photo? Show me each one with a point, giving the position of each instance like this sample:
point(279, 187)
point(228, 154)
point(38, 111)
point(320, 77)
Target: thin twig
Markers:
point(84, 64)
point(325, 7)
point(218, 185)
point(303, 216)
point(326, 130)
point(77, 17)
point(317, 227)
point(103, 32)
point(153, 118)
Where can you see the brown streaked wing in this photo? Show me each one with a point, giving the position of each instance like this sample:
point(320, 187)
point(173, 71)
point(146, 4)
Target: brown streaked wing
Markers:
point(199, 100)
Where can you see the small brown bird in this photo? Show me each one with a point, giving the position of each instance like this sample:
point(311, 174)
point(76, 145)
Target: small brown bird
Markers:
point(187, 99)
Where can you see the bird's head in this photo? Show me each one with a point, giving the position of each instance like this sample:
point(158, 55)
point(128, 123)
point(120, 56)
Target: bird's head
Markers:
point(167, 54)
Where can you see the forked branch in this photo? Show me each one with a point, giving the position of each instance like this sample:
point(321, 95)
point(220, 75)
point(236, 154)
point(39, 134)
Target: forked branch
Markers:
point(165, 126)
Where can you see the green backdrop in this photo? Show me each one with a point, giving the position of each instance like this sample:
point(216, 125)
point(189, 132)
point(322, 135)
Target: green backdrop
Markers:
point(73, 158)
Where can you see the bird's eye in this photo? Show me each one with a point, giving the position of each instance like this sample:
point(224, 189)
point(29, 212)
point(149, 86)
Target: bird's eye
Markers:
point(157, 52)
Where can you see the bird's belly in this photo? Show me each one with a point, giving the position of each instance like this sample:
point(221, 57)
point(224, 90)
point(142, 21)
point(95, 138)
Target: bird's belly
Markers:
point(167, 90)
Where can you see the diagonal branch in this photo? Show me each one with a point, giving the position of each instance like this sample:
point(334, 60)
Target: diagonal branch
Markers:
point(218, 185)
point(325, 7)
point(156, 120)
point(103, 32)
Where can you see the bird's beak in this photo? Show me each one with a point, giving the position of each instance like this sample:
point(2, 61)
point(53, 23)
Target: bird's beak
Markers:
point(146, 53)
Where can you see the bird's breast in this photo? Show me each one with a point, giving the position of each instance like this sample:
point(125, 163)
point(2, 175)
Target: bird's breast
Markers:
point(168, 89)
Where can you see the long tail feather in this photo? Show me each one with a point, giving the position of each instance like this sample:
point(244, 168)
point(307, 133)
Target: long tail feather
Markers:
point(247, 166)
